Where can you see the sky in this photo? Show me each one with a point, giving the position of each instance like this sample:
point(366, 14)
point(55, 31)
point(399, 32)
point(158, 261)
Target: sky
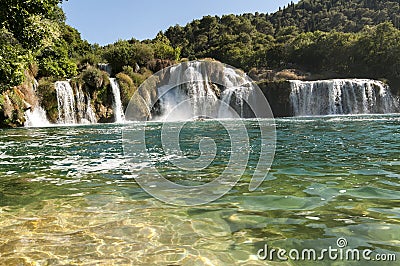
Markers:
point(106, 21)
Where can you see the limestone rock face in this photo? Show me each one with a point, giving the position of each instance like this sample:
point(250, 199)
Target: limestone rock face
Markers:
point(278, 96)
point(104, 114)
point(15, 101)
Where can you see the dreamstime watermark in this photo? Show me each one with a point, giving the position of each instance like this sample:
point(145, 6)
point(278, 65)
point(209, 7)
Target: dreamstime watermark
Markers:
point(340, 252)
point(214, 84)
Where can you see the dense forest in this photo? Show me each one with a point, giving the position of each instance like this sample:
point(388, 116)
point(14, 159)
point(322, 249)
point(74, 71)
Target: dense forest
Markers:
point(328, 38)
point(348, 38)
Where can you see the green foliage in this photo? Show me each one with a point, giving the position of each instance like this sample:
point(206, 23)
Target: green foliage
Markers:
point(341, 15)
point(91, 59)
point(76, 46)
point(93, 77)
point(30, 20)
point(128, 88)
point(137, 78)
point(163, 49)
point(48, 96)
point(128, 70)
point(377, 51)
point(14, 59)
point(39, 33)
point(264, 37)
point(124, 53)
point(35, 31)
point(55, 62)
point(345, 38)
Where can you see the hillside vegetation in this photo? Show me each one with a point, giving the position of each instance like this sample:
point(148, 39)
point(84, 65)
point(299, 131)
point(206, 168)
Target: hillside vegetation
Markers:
point(329, 38)
point(348, 38)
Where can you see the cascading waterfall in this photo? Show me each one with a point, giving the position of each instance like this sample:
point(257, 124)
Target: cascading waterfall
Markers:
point(72, 107)
point(80, 104)
point(66, 103)
point(84, 108)
point(196, 96)
point(193, 97)
point(237, 88)
point(118, 110)
point(341, 96)
point(90, 114)
point(36, 117)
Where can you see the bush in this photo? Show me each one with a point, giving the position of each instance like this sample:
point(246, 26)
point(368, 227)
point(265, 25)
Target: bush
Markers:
point(48, 98)
point(288, 74)
point(163, 51)
point(124, 53)
point(89, 59)
point(93, 77)
point(127, 87)
point(137, 78)
point(128, 70)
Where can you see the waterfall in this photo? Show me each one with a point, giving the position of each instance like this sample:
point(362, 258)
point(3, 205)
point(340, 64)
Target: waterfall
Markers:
point(189, 93)
point(341, 96)
point(238, 92)
point(118, 109)
point(66, 103)
point(224, 110)
point(80, 104)
point(36, 117)
point(73, 108)
point(193, 97)
point(84, 108)
point(90, 114)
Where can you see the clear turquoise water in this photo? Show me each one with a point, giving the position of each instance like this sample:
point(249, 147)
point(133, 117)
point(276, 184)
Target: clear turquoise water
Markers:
point(67, 196)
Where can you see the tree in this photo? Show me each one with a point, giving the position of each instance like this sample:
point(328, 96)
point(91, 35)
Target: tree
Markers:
point(162, 47)
point(14, 59)
point(32, 30)
point(30, 20)
point(123, 53)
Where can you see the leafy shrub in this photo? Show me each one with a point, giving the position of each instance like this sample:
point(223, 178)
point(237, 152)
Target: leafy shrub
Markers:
point(127, 87)
point(128, 70)
point(163, 51)
point(48, 98)
point(137, 78)
point(89, 59)
point(124, 53)
point(40, 32)
point(93, 77)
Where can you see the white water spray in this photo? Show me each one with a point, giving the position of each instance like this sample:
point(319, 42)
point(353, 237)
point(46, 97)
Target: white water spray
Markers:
point(196, 96)
point(341, 96)
point(66, 103)
point(118, 109)
point(36, 117)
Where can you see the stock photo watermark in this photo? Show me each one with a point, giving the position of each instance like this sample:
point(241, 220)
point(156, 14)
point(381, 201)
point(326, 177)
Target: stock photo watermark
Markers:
point(339, 252)
point(207, 79)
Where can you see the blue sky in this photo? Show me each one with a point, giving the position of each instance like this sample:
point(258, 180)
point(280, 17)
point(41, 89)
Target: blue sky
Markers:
point(106, 21)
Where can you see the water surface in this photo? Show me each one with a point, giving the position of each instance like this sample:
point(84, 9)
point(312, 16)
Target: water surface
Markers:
point(67, 196)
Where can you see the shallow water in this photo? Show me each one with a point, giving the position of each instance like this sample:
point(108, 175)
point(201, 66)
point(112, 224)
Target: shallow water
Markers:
point(67, 196)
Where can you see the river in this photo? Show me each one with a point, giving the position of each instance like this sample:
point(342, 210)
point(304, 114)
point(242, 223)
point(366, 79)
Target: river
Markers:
point(68, 197)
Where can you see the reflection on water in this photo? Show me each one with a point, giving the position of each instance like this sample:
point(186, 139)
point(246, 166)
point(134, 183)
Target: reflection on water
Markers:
point(67, 197)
